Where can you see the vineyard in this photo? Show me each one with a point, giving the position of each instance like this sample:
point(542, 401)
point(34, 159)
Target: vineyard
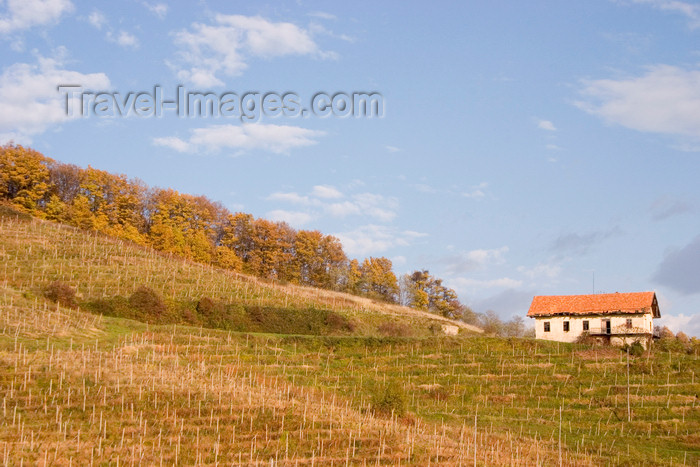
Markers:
point(80, 388)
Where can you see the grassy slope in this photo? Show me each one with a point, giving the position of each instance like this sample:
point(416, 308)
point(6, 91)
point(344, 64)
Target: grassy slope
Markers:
point(77, 387)
point(34, 253)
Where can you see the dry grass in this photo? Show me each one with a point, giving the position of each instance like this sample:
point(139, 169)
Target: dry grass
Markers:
point(80, 389)
point(38, 252)
point(181, 396)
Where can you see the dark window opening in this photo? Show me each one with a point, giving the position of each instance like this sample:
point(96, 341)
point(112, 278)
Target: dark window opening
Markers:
point(546, 326)
point(629, 323)
point(585, 326)
point(566, 326)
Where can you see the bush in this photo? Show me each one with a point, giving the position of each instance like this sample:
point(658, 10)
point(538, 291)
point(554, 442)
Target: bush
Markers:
point(207, 307)
point(308, 321)
point(147, 305)
point(586, 339)
point(337, 322)
point(391, 329)
point(636, 349)
point(61, 293)
point(390, 400)
point(666, 333)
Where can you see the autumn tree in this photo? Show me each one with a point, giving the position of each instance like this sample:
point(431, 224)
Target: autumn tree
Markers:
point(319, 259)
point(353, 278)
point(24, 177)
point(264, 247)
point(378, 280)
point(426, 292)
point(205, 231)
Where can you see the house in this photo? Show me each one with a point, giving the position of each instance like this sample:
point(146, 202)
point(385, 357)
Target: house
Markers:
point(618, 318)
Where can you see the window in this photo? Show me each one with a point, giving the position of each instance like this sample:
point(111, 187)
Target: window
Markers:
point(629, 323)
point(566, 326)
point(546, 326)
point(585, 325)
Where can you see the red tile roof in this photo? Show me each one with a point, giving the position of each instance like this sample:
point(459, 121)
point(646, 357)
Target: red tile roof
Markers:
point(597, 304)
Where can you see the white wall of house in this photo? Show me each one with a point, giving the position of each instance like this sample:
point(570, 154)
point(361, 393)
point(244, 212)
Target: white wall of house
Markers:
point(641, 324)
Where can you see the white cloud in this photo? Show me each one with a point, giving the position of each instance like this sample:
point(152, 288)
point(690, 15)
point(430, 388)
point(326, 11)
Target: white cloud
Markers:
point(663, 100)
point(343, 209)
point(326, 191)
point(689, 324)
point(377, 206)
point(392, 148)
point(97, 19)
point(462, 262)
point(423, 188)
point(29, 99)
point(689, 10)
point(549, 271)
point(477, 191)
point(546, 125)
point(278, 139)
point(123, 39)
point(158, 9)
point(173, 142)
point(323, 15)
point(482, 256)
point(293, 218)
point(323, 199)
point(209, 52)
point(291, 197)
point(375, 239)
point(23, 14)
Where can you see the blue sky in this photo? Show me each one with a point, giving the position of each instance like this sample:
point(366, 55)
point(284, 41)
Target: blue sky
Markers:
point(524, 147)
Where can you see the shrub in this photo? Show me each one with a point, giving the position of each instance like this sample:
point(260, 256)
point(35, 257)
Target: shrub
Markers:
point(102, 306)
point(391, 329)
point(666, 333)
point(391, 399)
point(307, 321)
point(636, 349)
point(61, 293)
point(211, 309)
point(147, 305)
point(586, 339)
point(337, 322)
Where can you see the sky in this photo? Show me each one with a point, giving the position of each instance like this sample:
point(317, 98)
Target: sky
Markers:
point(515, 148)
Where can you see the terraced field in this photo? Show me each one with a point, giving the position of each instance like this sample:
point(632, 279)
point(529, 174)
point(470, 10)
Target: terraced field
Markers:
point(82, 389)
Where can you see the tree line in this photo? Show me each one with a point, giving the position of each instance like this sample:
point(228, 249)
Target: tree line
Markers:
point(205, 231)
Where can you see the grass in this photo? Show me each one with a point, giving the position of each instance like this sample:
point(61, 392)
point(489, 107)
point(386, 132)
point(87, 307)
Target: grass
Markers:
point(80, 388)
point(104, 271)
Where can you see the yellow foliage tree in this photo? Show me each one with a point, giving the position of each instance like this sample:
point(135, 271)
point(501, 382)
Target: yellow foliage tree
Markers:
point(24, 177)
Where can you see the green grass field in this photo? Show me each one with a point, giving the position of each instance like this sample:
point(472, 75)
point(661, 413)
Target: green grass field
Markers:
point(79, 388)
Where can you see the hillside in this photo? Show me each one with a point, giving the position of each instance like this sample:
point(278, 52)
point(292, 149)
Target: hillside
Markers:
point(105, 270)
point(81, 388)
point(195, 228)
